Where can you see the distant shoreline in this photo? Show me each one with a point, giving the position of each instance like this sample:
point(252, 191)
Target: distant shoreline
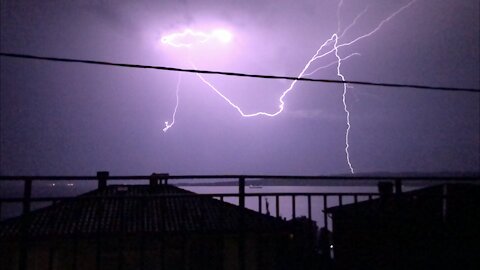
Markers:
point(301, 182)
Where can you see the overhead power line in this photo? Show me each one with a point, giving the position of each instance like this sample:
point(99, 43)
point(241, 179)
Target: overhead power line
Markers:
point(236, 74)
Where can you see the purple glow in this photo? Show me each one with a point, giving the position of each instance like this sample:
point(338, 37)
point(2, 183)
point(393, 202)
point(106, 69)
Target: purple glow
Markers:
point(76, 119)
point(189, 38)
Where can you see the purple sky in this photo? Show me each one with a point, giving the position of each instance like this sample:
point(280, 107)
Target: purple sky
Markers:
point(61, 118)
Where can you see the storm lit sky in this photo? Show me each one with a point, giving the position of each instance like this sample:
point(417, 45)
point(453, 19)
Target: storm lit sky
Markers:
point(59, 118)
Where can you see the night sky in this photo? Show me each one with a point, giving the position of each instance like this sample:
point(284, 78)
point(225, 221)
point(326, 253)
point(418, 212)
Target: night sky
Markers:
point(59, 118)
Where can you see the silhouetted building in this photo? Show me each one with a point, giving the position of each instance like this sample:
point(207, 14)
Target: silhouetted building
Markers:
point(137, 227)
point(431, 228)
point(303, 246)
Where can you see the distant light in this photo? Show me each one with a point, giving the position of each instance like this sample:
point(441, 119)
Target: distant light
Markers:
point(331, 246)
point(70, 184)
point(122, 189)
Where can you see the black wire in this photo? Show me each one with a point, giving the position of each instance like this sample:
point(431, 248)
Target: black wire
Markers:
point(94, 62)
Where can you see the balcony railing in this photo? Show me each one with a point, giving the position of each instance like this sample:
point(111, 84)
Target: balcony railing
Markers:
point(19, 195)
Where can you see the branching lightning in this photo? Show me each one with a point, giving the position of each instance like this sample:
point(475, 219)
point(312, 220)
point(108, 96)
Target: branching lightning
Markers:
point(331, 64)
point(354, 22)
point(189, 38)
point(285, 92)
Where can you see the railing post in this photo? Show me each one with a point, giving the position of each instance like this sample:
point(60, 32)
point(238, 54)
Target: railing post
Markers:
point(25, 225)
point(241, 223)
point(325, 215)
point(309, 201)
point(27, 195)
point(102, 177)
point(241, 192)
point(293, 207)
point(260, 204)
point(277, 206)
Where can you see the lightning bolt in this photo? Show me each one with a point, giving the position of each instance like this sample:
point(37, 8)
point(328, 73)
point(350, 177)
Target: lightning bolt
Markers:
point(175, 39)
point(189, 38)
point(379, 26)
point(167, 124)
point(284, 93)
point(331, 64)
point(339, 7)
point(345, 108)
point(354, 22)
point(319, 54)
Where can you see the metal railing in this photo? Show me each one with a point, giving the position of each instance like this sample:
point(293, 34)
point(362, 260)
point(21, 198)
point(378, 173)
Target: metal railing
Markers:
point(312, 205)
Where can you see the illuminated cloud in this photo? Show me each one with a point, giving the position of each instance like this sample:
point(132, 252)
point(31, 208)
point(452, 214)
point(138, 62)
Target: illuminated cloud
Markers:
point(189, 38)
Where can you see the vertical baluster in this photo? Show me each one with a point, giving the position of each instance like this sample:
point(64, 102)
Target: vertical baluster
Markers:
point(309, 198)
point(325, 206)
point(293, 207)
point(277, 205)
point(260, 203)
point(241, 242)
point(27, 196)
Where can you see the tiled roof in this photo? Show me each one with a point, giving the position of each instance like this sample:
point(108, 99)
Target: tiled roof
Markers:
point(138, 208)
point(430, 198)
